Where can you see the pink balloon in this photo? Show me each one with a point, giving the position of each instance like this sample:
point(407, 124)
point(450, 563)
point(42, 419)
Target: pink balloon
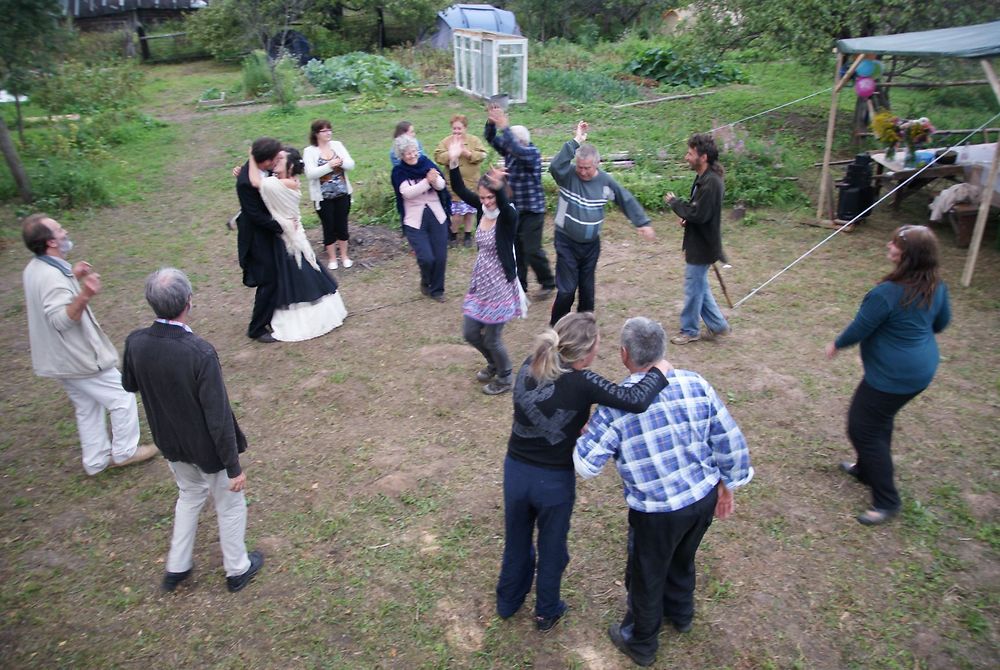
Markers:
point(864, 87)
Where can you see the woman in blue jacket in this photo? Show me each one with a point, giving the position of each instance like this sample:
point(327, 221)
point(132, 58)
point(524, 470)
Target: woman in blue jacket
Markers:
point(895, 327)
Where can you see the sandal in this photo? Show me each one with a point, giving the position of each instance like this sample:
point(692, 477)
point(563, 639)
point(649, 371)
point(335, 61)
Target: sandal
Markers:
point(876, 517)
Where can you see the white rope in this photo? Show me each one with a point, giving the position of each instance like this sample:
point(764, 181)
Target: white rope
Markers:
point(754, 116)
point(868, 209)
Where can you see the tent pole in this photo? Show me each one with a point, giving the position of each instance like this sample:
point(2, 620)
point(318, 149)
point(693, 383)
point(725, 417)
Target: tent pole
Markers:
point(838, 83)
point(830, 123)
point(987, 194)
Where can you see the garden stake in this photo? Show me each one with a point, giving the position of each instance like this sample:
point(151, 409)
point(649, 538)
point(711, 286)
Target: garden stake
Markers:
point(725, 291)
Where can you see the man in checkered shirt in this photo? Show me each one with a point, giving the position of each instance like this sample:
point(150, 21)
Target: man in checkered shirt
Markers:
point(680, 461)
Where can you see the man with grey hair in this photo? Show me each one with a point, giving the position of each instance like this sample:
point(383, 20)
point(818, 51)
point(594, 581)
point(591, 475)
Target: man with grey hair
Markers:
point(680, 461)
point(523, 162)
point(584, 189)
point(67, 344)
point(180, 379)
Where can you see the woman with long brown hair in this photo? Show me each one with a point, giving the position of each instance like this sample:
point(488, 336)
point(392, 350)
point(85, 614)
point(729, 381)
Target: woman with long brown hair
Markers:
point(895, 327)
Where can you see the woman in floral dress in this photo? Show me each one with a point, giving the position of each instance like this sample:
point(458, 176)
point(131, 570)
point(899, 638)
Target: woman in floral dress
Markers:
point(495, 295)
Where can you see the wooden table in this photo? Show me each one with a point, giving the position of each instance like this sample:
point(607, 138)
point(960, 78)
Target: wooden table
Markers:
point(892, 172)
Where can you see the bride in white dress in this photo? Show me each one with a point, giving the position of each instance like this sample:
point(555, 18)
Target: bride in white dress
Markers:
point(307, 302)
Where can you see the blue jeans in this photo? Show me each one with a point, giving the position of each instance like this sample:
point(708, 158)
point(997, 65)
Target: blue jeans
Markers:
point(534, 495)
point(700, 303)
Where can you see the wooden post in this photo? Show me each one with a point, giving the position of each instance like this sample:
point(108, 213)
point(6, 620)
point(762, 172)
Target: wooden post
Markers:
point(987, 194)
point(838, 83)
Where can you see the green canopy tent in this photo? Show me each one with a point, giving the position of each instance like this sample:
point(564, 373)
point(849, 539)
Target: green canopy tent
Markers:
point(980, 41)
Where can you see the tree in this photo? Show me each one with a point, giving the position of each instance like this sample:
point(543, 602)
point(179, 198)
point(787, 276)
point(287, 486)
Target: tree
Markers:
point(28, 33)
point(808, 28)
point(543, 19)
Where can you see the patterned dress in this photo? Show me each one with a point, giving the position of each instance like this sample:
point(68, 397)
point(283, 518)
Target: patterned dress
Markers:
point(491, 298)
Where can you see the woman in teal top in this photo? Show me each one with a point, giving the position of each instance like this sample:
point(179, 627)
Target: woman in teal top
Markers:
point(895, 327)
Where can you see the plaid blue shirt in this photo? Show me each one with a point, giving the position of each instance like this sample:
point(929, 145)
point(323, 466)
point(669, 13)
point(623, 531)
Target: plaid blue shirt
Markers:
point(524, 169)
point(674, 453)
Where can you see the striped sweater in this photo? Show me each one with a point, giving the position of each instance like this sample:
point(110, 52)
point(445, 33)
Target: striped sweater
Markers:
point(580, 212)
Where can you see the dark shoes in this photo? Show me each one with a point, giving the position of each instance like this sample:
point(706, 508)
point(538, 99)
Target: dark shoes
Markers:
point(172, 579)
point(425, 289)
point(849, 468)
point(467, 242)
point(544, 293)
point(546, 623)
point(237, 583)
point(266, 338)
point(499, 385)
point(682, 627)
point(876, 517)
point(615, 633)
point(439, 298)
point(486, 374)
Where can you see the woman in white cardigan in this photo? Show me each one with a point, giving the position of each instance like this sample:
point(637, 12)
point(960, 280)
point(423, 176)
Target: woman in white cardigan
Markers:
point(327, 162)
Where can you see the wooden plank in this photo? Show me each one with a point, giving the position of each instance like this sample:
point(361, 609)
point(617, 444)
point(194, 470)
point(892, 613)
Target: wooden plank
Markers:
point(987, 194)
point(831, 123)
point(655, 100)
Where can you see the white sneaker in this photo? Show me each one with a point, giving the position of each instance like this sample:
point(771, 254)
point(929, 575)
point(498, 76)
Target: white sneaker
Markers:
point(332, 265)
point(348, 262)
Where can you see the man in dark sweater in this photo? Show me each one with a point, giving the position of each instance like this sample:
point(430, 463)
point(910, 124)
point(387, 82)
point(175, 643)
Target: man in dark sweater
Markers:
point(257, 232)
point(701, 218)
point(180, 379)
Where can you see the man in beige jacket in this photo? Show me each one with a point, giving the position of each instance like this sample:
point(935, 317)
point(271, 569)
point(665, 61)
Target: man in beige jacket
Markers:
point(68, 344)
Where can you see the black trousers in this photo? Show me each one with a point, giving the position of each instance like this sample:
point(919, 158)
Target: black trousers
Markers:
point(263, 309)
point(660, 575)
point(576, 266)
point(530, 252)
point(869, 427)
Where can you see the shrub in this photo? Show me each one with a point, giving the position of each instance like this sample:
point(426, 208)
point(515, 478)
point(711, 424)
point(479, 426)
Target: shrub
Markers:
point(75, 87)
point(256, 75)
point(365, 73)
point(668, 67)
point(63, 184)
point(583, 85)
point(755, 175)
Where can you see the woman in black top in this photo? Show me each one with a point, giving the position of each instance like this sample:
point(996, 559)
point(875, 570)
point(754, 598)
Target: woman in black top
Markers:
point(553, 394)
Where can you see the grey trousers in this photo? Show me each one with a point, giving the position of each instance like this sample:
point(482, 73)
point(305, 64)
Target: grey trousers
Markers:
point(194, 487)
point(487, 338)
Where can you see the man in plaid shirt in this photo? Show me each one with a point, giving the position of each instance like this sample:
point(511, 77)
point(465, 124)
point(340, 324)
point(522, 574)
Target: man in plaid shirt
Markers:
point(680, 461)
point(523, 162)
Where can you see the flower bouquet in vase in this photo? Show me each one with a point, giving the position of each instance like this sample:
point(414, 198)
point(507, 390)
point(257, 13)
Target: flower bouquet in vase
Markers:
point(916, 133)
point(885, 127)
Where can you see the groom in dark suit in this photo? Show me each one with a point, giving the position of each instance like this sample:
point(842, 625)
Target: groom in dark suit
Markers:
point(255, 240)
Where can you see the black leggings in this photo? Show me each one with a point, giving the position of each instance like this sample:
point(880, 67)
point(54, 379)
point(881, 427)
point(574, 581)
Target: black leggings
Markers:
point(333, 215)
point(869, 427)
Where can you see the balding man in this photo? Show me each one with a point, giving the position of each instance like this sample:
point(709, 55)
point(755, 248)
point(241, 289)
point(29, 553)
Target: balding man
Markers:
point(67, 344)
point(584, 189)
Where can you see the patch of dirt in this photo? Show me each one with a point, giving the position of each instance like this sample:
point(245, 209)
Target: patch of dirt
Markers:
point(461, 631)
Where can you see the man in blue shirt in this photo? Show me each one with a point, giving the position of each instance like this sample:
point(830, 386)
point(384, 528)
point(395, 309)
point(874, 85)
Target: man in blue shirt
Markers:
point(679, 461)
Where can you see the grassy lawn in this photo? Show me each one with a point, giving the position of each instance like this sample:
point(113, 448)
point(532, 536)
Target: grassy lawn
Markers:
point(374, 469)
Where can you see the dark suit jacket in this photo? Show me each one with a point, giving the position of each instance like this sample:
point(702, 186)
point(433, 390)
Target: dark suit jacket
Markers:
point(180, 379)
point(257, 232)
